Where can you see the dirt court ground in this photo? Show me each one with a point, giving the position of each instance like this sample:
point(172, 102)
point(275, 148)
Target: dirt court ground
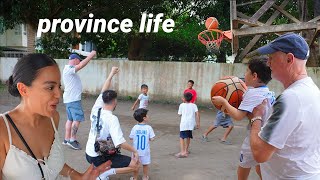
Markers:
point(207, 161)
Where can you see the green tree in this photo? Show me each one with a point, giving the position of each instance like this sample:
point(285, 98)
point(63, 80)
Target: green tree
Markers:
point(181, 45)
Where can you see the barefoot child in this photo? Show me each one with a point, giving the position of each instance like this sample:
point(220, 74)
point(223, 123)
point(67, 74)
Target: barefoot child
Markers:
point(189, 118)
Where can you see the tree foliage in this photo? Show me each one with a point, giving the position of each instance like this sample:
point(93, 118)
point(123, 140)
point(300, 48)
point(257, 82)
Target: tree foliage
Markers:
point(182, 44)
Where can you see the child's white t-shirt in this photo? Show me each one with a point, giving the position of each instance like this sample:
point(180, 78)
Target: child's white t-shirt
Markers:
point(188, 116)
point(141, 135)
point(144, 101)
point(254, 97)
point(251, 99)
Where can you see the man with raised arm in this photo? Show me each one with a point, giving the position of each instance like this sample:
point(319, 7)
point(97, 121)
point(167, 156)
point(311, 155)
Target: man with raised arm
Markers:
point(72, 97)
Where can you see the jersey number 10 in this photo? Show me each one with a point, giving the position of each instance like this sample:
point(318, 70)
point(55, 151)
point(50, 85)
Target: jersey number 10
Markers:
point(141, 145)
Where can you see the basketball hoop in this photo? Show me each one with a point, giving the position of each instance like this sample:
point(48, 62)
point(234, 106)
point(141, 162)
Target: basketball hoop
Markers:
point(211, 39)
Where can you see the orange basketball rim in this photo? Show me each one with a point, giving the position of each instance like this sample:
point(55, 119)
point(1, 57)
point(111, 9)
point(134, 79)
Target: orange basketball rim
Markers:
point(213, 37)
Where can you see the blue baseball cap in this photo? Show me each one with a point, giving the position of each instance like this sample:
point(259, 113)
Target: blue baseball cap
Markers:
point(74, 56)
point(287, 43)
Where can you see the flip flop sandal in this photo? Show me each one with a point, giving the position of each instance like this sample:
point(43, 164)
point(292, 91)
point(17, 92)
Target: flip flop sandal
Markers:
point(180, 156)
point(145, 178)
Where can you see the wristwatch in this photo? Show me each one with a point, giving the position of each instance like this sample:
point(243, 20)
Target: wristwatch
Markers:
point(259, 118)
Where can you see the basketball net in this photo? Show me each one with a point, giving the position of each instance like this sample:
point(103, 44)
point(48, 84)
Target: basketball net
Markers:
point(212, 47)
point(212, 39)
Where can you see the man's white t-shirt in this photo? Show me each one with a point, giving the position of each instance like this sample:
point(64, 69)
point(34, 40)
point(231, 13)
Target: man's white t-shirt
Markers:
point(141, 135)
point(294, 129)
point(72, 84)
point(188, 116)
point(110, 127)
point(144, 101)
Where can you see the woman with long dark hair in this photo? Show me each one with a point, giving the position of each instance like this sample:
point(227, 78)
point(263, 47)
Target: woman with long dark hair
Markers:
point(30, 146)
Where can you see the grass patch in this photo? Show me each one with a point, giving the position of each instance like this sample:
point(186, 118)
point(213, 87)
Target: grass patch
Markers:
point(3, 87)
point(126, 98)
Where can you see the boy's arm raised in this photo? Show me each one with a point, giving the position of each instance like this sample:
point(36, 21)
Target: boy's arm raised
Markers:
point(107, 83)
point(232, 111)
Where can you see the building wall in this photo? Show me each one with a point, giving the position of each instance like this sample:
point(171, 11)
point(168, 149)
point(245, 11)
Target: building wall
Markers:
point(166, 80)
point(14, 37)
point(22, 37)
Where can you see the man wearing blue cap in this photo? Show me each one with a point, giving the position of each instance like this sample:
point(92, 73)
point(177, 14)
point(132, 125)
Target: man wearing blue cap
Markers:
point(72, 97)
point(288, 145)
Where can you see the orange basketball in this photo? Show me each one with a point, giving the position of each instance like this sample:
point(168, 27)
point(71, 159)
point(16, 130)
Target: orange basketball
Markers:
point(212, 23)
point(231, 88)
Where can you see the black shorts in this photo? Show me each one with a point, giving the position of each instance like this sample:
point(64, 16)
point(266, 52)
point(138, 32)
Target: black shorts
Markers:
point(118, 160)
point(186, 134)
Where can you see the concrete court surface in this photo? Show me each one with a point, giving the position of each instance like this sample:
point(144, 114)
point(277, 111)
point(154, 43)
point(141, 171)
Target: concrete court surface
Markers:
point(207, 161)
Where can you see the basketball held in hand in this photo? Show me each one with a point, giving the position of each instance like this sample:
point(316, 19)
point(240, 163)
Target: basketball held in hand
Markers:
point(231, 88)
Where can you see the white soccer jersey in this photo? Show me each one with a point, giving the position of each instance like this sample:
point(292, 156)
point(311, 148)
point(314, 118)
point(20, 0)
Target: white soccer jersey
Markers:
point(141, 135)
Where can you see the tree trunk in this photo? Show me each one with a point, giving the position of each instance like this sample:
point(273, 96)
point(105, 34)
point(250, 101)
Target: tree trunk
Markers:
point(316, 8)
point(138, 47)
point(303, 10)
point(31, 41)
point(317, 13)
point(315, 49)
point(221, 57)
point(313, 60)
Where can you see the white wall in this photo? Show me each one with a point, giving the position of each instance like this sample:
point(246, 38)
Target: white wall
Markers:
point(166, 80)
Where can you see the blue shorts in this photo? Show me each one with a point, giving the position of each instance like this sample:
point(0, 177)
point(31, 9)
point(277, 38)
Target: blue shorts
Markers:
point(222, 120)
point(118, 160)
point(74, 111)
point(186, 134)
